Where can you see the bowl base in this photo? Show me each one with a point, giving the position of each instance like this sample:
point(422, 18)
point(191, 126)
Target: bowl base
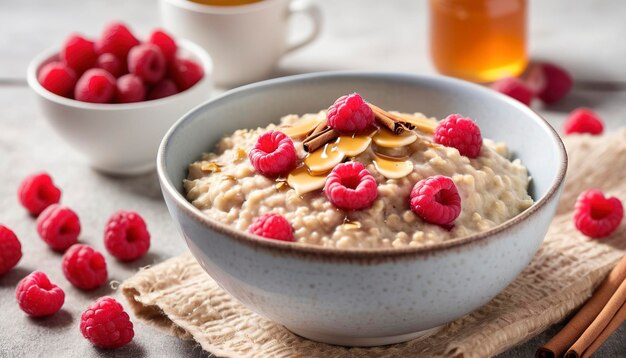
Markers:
point(362, 341)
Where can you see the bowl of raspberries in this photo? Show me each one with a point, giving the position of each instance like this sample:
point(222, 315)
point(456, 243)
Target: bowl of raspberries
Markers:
point(112, 97)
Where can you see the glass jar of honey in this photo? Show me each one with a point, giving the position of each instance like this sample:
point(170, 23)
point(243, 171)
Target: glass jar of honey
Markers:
point(478, 40)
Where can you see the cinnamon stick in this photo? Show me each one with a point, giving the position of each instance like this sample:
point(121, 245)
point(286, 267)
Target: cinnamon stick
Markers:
point(391, 121)
point(560, 343)
point(318, 138)
point(613, 325)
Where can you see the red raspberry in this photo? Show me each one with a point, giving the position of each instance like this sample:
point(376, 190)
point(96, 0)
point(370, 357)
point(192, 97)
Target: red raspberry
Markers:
point(350, 186)
point(557, 83)
point(350, 113)
point(10, 250)
point(166, 43)
point(84, 267)
point(147, 62)
point(57, 78)
point(186, 73)
point(39, 297)
point(436, 200)
point(165, 88)
point(111, 64)
point(96, 86)
point(515, 88)
point(461, 133)
point(36, 192)
point(130, 89)
point(106, 325)
point(126, 236)
point(597, 216)
point(59, 227)
point(116, 39)
point(272, 226)
point(78, 53)
point(583, 120)
point(273, 154)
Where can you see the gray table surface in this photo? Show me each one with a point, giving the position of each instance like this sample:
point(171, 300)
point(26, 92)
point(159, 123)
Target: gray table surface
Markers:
point(586, 37)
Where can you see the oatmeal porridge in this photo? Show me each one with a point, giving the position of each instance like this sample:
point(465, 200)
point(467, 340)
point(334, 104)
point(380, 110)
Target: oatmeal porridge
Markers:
point(357, 176)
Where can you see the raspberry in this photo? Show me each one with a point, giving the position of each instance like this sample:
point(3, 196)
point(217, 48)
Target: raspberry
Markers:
point(116, 39)
point(36, 192)
point(106, 325)
point(350, 186)
point(57, 78)
point(147, 62)
point(583, 120)
point(597, 216)
point(10, 250)
point(350, 113)
point(436, 200)
point(556, 83)
point(84, 267)
point(130, 88)
point(126, 236)
point(186, 73)
point(515, 88)
point(272, 226)
point(273, 154)
point(39, 297)
point(59, 227)
point(78, 53)
point(165, 88)
point(166, 43)
point(96, 86)
point(111, 64)
point(461, 133)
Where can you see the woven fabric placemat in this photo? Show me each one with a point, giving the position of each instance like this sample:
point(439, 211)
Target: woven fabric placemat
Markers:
point(178, 297)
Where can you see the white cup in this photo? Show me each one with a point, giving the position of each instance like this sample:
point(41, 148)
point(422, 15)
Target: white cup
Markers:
point(245, 41)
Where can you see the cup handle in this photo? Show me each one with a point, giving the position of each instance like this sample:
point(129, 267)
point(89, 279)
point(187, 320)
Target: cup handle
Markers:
point(305, 7)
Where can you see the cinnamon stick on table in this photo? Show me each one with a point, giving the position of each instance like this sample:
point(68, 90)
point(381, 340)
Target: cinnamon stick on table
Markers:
point(390, 121)
point(575, 329)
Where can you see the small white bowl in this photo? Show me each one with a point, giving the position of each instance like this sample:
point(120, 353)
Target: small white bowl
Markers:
point(119, 139)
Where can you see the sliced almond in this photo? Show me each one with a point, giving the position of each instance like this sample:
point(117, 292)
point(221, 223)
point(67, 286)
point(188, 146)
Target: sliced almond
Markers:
point(388, 139)
point(422, 124)
point(393, 169)
point(324, 159)
point(303, 127)
point(353, 146)
point(303, 182)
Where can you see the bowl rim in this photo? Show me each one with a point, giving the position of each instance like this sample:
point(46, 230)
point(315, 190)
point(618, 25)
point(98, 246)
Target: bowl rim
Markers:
point(222, 10)
point(358, 255)
point(46, 55)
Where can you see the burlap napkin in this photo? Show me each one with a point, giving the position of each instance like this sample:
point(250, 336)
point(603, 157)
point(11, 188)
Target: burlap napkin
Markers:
point(180, 298)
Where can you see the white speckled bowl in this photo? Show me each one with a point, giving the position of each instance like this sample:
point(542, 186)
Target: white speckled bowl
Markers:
point(363, 298)
point(119, 138)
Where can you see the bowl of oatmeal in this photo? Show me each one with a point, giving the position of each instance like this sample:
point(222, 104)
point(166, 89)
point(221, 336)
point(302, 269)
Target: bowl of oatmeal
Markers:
point(362, 218)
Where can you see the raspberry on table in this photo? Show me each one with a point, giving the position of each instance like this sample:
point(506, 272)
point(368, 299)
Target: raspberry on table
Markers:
point(10, 249)
point(37, 296)
point(57, 78)
point(436, 200)
point(583, 120)
point(78, 53)
point(596, 215)
point(273, 154)
point(110, 63)
point(106, 325)
point(147, 62)
point(350, 113)
point(126, 236)
point(272, 226)
point(461, 133)
point(350, 186)
point(95, 86)
point(165, 88)
point(59, 227)
point(186, 73)
point(84, 267)
point(130, 88)
point(557, 83)
point(514, 88)
point(36, 192)
point(117, 39)
point(166, 43)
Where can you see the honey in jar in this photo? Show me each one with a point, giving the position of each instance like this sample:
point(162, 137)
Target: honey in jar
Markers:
point(478, 40)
